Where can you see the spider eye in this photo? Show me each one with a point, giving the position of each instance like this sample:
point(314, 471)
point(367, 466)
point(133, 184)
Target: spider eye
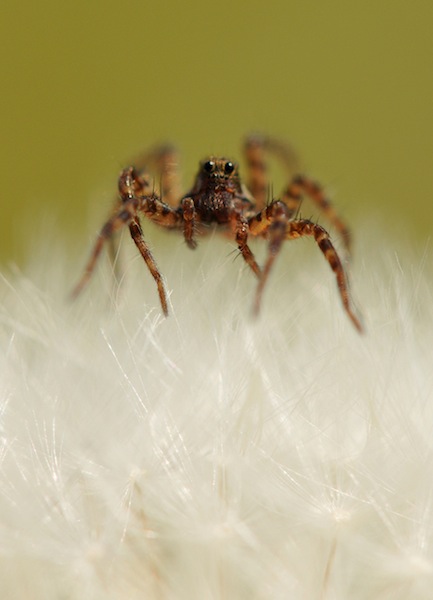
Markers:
point(208, 166)
point(229, 168)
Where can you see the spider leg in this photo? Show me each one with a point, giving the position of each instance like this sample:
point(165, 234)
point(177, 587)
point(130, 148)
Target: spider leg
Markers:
point(132, 186)
point(301, 185)
point(122, 217)
point(139, 180)
point(137, 236)
point(135, 187)
point(162, 161)
point(241, 234)
point(276, 223)
point(302, 227)
point(273, 222)
point(153, 208)
point(189, 218)
point(133, 183)
point(256, 146)
point(167, 161)
point(257, 181)
point(130, 183)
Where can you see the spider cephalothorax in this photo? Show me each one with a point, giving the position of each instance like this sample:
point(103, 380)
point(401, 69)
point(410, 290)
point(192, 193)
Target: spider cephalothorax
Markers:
point(219, 196)
point(217, 191)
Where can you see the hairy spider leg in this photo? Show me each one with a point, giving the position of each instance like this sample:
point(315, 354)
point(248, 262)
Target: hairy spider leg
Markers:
point(189, 220)
point(292, 197)
point(142, 187)
point(239, 226)
point(256, 146)
point(304, 227)
point(131, 183)
point(123, 217)
point(155, 210)
point(257, 180)
point(162, 161)
point(273, 222)
point(241, 234)
point(166, 160)
point(137, 236)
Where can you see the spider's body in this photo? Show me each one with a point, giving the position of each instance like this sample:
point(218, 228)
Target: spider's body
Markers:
point(217, 192)
point(218, 196)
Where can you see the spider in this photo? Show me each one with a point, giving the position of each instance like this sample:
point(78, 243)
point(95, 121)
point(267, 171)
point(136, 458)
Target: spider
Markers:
point(219, 197)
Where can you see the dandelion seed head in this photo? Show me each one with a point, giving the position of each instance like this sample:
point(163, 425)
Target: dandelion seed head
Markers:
point(210, 455)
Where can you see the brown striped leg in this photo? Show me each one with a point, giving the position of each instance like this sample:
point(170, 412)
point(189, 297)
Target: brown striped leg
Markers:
point(129, 183)
point(258, 225)
point(257, 179)
point(137, 236)
point(152, 207)
point(255, 149)
point(303, 227)
point(241, 234)
point(167, 162)
point(188, 212)
point(123, 217)
point(275, 217)
point(268, 223)
point(132, 182)
point(162, 161)
point(131, 187)
point(301, 185)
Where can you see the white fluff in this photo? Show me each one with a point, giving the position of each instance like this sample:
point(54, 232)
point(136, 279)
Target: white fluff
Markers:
point(210, 455)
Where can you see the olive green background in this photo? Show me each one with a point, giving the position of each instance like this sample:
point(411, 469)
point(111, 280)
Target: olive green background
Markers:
point(86, 84)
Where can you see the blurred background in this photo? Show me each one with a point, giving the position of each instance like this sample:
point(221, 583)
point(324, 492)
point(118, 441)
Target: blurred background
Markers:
point(86, 84)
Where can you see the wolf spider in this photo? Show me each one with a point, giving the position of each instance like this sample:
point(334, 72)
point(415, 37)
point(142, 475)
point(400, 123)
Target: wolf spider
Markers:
point(219, 197)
